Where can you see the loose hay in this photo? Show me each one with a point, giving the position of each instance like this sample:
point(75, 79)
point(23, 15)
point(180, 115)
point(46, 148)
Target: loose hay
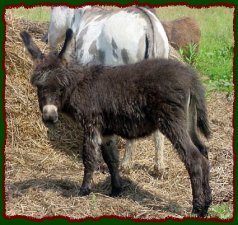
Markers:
point(44, 169)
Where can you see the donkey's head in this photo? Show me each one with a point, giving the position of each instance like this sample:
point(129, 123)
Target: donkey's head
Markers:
point(49, 77)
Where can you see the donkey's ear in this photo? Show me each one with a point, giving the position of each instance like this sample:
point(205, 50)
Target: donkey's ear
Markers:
point(34, 51)
point(65, 53)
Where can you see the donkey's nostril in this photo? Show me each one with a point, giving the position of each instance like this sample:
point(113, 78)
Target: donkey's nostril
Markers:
point(50, 118)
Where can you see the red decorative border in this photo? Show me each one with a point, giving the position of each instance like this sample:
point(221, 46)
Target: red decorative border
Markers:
point(112, 216)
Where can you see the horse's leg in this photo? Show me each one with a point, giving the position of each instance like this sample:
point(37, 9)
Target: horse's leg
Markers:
point(159, 167)
point(111, 158)
point(91, 147)
point(127, 160)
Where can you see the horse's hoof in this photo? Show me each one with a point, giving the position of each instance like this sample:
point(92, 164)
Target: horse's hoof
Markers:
point(160, 173)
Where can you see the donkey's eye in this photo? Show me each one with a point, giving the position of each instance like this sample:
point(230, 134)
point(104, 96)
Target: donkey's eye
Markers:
point(61, 90)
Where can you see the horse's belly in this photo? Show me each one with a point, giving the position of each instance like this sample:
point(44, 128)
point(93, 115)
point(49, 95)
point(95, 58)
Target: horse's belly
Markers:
point(125, 35)
point(110, 42)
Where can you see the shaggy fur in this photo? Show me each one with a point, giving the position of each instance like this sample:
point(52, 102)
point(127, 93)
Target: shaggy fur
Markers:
point(131, 101)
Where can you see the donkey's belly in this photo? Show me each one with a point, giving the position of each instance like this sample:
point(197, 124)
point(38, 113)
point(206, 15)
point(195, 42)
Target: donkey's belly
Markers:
point(130, 129)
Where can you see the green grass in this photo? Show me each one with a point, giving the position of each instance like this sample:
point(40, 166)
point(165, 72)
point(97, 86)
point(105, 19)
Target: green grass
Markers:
point(34, 14)
point(215, 57)
point(189, 54)
point(222, 211)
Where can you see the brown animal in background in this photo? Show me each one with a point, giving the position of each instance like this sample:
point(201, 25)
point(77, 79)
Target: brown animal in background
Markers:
point(182, 31)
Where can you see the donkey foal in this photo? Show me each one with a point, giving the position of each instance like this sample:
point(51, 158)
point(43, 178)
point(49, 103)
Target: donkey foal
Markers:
point(131, 101)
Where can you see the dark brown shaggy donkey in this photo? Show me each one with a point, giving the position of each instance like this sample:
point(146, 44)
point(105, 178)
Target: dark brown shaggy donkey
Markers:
point(131, 101)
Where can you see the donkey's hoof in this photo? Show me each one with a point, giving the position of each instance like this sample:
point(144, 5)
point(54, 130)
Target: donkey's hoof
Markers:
point(84, 191)
point(116, 192)
point(199, 212)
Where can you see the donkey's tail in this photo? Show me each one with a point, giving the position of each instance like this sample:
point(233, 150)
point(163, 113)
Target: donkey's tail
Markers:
point(156, 38)
point(198, 95)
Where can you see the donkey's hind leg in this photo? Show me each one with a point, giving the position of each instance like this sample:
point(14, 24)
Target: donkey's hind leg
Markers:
point(192, 128)
point(196, 164)
point(198, 168)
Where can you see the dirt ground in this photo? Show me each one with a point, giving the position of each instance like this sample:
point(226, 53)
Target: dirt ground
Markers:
point(44, 171)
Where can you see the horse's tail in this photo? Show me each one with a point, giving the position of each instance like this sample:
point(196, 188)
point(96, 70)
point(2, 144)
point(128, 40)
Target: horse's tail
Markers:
point(157, 45)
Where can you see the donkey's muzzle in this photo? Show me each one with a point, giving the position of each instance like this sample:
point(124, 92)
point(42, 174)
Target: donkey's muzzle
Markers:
point(50, 114)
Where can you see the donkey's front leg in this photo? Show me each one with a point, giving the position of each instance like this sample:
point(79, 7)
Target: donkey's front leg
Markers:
point(111, 157)
point(91, 147)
